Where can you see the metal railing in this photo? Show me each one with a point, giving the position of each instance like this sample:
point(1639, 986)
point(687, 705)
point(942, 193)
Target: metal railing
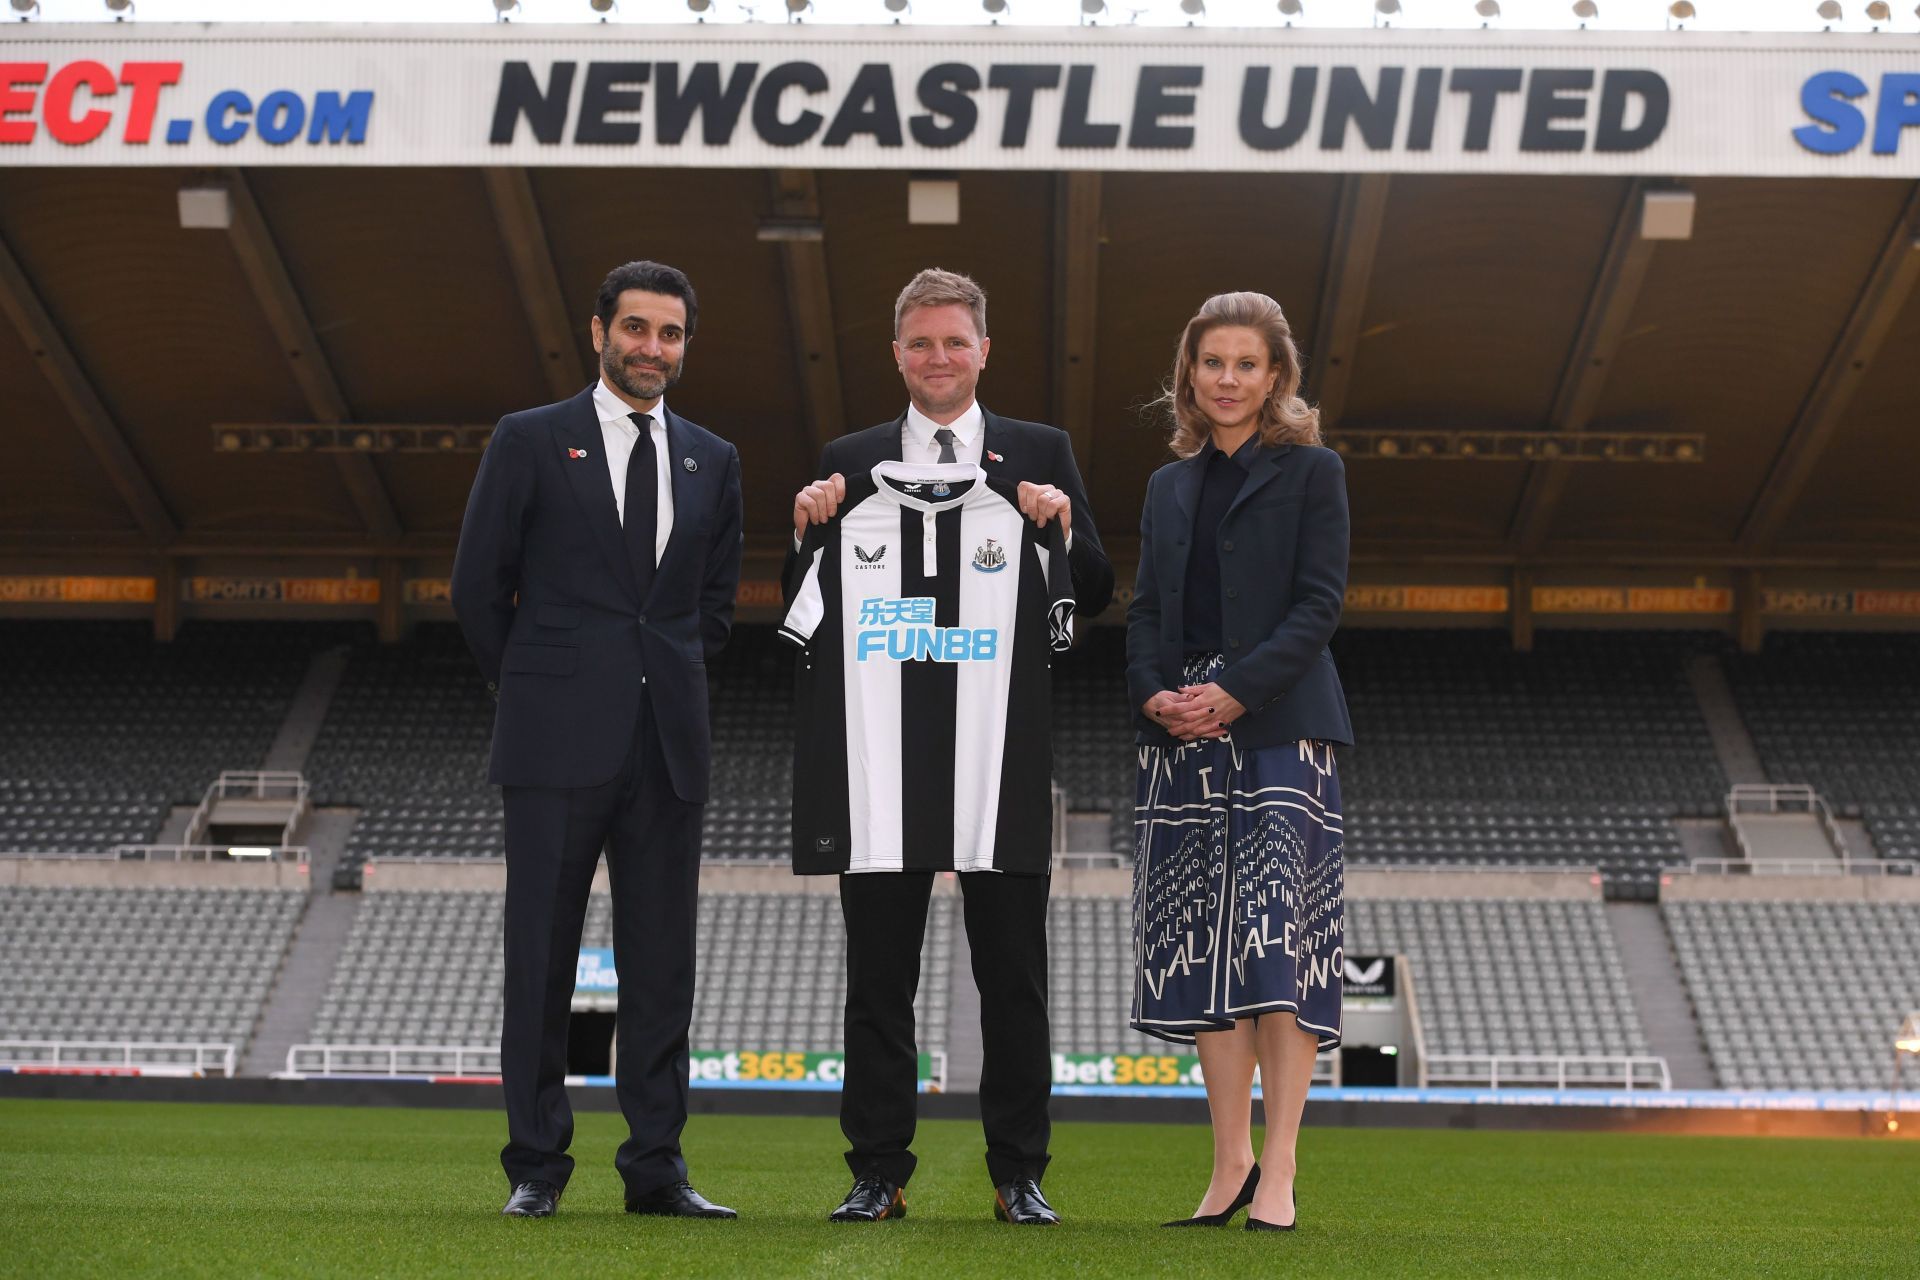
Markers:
point(156, 1057)
point(251, 784)
point(1778, 798)
point(208, 853)
point(1543, 1070)
point(1802, 867)
point(393, 1060)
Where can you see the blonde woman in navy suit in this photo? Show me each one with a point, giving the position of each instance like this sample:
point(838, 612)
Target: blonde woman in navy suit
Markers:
point(1237, 879)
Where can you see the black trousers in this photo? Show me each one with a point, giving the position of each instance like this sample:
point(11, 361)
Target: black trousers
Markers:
point(1006, 919)
point(652, 843)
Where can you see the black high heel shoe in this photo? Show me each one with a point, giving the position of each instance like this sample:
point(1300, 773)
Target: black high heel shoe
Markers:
point(1254, 1224)
point(1221, 1219)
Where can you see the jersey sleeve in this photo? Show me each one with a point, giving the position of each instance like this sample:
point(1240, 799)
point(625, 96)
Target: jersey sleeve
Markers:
point(1059, 588)
point(809, 605)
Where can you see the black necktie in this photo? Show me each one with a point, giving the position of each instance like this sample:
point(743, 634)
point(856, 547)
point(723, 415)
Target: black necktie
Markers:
point(640, 513)
point(945, 437)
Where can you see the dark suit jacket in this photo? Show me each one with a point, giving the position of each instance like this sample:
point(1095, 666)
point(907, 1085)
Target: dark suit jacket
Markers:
point(550, 605)
point(1010, 450)
point(1283, 578)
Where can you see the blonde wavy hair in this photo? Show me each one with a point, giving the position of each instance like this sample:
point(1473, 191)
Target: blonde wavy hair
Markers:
point(1285, 418)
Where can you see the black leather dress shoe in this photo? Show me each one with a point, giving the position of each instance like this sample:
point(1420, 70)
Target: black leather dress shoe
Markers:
point(1021, 1202)
point(532, 1200)
point(677, 1200)
point(871, 1200)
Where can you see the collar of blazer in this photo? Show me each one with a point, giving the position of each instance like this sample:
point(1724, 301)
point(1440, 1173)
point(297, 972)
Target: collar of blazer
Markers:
point(1267, 464)
point(593, 486)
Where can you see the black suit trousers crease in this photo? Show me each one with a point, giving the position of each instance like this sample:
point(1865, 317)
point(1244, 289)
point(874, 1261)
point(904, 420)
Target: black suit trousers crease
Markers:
point(554, 840)
point(1006, 922)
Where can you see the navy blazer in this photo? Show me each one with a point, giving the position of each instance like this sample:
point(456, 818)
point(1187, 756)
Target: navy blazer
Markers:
point(1010, 449)
point(1283, 579)
point(551, 608)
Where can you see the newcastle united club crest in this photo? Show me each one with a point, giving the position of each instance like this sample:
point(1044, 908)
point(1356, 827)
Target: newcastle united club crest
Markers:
point(990, 557)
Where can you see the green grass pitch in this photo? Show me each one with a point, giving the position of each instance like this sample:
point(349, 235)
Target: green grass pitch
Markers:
point(116, 1189)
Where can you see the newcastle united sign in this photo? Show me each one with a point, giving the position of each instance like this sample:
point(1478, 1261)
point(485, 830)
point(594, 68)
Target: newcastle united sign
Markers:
point(897, 97)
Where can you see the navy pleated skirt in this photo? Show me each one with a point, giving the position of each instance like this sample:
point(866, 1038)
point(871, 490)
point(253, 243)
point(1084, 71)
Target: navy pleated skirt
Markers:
point(1237, 886)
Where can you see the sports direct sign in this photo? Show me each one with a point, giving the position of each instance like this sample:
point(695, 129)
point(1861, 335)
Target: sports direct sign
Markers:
point(901, 97)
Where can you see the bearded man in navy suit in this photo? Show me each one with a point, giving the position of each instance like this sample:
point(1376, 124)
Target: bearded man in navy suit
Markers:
point(595, 577)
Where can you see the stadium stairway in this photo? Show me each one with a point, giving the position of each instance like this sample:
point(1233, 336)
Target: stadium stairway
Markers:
point(1739, 758)
point(1659, 993)
point(307, 711)
point(318, 941)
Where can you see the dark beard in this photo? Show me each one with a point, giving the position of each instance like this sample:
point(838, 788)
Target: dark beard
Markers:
point(618, 374)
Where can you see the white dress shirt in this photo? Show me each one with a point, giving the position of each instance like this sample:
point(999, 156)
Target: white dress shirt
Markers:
point(969, 441)
point(619, 435)
point(918, 445)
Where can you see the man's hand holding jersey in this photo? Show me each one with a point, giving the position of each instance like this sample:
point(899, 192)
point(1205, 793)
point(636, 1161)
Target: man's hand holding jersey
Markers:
point(820, 501)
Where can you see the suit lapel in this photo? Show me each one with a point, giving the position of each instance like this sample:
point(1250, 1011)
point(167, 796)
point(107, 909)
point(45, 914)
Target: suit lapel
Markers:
point(1265, 468)
point(592, 485)
point(993, 444)
point(891, 450)
point(1186, 485)
point(680, 450)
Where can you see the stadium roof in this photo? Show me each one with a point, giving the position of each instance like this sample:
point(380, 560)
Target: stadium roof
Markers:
point(1780, 342)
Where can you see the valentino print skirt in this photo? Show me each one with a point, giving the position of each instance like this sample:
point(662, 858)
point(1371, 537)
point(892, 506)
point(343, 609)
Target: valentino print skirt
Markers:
point(1237, 885)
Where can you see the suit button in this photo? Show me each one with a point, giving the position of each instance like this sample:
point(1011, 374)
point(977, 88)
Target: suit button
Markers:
point(1233, 644)
point(1176, 591)
point(1233, 593)
point(643, 619)
point(1227, 545)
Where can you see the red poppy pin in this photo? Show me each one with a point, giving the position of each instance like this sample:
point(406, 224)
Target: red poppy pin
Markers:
point(576, 453)
point(994, 457)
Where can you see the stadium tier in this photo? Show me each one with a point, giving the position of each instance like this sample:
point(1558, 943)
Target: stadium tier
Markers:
point(405, 740)
point(1090, 969)
point(107, 966)
point(1508, 976)
point(424, 968)
point(1582, 752)
point(105, 729)
point(1842, 714)
point(1799, 995)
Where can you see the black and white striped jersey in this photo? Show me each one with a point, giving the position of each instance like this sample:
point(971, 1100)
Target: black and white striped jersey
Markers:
point(928, 611)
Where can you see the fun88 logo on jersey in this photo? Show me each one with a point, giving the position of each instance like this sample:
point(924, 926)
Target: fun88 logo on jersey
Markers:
point(903, 631)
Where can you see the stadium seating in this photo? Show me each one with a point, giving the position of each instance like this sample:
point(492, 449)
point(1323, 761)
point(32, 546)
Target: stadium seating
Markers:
point(113, 965)
point(1581, 752)
point(105, 728)
point(1799, 995)
point(1090, 972)
point(408, 731)
point(1842, 714)
point(425, 968)
point(406, 739)
point(1513, 976)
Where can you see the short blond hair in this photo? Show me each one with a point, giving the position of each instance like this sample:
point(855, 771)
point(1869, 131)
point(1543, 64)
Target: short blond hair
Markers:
point(936, 288)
